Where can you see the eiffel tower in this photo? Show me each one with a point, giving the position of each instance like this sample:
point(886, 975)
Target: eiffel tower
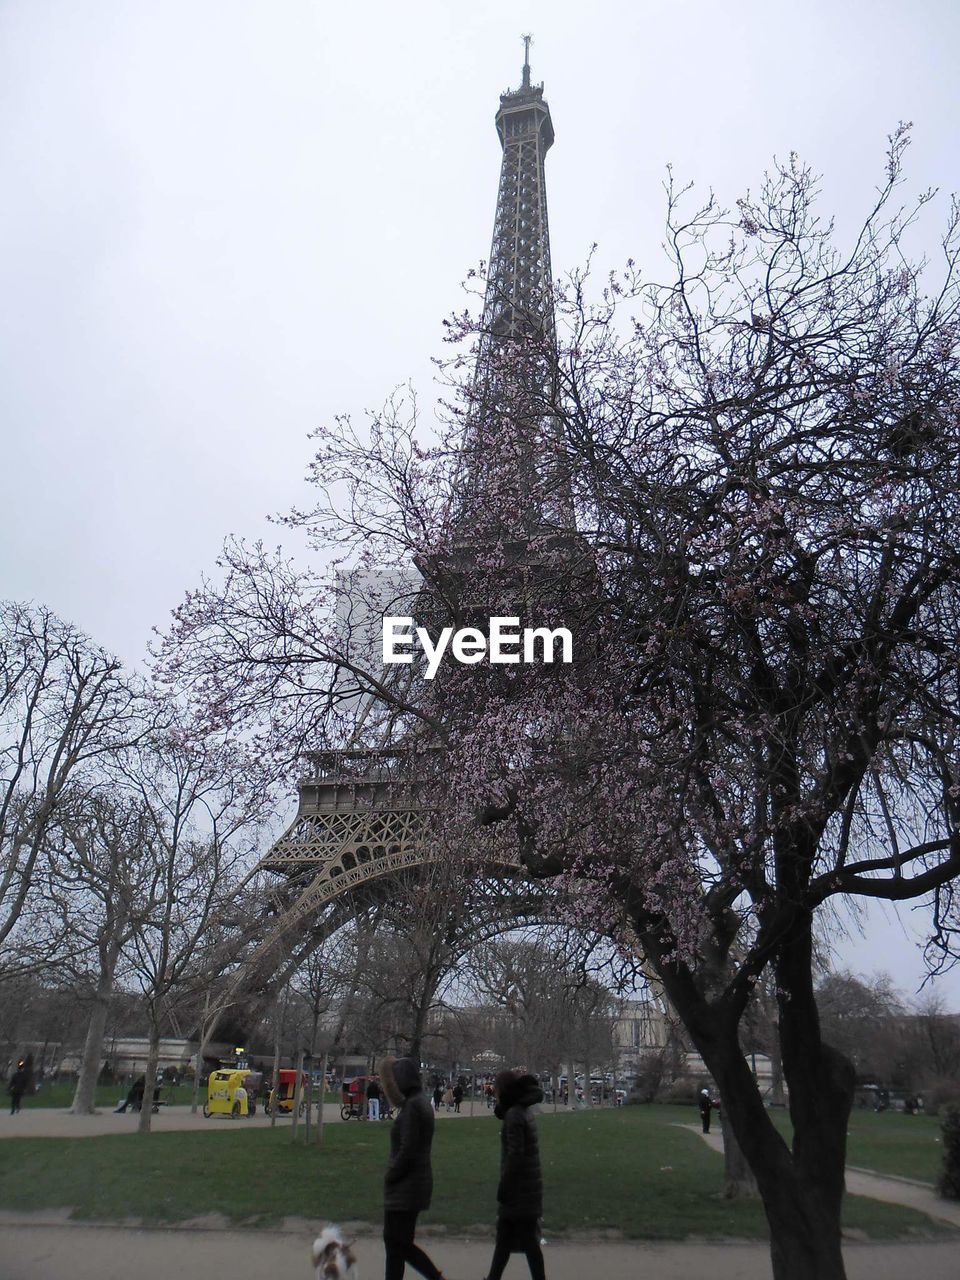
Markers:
point(366, 817)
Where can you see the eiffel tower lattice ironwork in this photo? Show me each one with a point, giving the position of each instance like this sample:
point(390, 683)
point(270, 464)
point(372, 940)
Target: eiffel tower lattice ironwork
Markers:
point(364, 816)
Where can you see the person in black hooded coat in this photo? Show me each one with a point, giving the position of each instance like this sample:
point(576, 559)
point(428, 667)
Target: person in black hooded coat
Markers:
point(408, 1182)
point(520, 1193)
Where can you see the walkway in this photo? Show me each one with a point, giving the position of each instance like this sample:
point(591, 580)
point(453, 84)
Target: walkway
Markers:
point(52, 1122)
point(51, 1251)
point(863, 1182)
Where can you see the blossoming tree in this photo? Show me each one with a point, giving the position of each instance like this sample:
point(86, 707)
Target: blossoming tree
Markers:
point(762, 582)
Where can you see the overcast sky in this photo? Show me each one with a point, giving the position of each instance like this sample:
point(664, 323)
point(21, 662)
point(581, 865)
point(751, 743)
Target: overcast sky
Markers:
point(224, 222)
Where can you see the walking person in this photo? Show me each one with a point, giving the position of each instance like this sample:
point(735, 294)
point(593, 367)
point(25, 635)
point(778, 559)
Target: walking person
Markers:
point(373, 1098)
point(408, 1183)
point(437, 1097)
point(457, 1096)
point(17, 1087)
point(705, 1106)
point(520, 1193)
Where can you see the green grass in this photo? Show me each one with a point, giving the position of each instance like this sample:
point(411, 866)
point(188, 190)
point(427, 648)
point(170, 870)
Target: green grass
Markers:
point(106, 1095)
point(889, 1143)
point(895, 1143)
point(631, 1170)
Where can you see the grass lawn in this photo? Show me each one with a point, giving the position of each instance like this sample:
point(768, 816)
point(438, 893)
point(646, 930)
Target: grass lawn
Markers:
point(890, 1142)
point(106, 1096)
point(632, 1170)
point(893, 1142)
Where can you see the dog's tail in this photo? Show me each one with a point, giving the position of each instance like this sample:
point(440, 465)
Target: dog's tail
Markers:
point(329, 1238)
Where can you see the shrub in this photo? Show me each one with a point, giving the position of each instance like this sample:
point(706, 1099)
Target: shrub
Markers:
point(942, 1092)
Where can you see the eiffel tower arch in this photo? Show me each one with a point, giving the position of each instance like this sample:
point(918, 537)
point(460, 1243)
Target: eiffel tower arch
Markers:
point(367, 819)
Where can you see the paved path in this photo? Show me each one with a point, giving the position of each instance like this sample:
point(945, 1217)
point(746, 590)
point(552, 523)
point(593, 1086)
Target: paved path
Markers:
point(52, 1122)
point(57, 1251)
point(862, 1182)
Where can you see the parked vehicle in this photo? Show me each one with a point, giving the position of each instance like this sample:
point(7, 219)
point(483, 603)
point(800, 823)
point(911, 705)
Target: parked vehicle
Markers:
point(284, 1093)
point(353, 1095)
point(227, 1094)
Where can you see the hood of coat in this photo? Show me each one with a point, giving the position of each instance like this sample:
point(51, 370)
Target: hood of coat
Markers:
point(521, 1091)
point(400, 1077)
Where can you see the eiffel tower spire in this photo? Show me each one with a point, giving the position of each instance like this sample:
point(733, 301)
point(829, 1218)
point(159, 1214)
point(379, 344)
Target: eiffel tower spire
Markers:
point(519, 281)
point(511, 471)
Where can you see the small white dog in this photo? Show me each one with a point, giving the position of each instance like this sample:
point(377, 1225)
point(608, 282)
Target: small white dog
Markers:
point(333, 1256)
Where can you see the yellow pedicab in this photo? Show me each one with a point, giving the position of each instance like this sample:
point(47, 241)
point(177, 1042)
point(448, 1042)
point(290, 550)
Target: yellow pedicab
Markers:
point(227, 1094)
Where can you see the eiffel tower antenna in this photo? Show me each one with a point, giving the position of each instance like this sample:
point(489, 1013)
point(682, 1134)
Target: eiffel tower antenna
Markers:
point(527, 41)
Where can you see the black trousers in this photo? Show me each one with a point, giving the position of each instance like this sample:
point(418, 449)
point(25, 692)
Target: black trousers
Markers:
point(399, 1228)
point(522, 1235)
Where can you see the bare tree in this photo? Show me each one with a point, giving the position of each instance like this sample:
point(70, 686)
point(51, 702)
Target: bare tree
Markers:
point(932, 1038)
point(204, 807)
point(554, 1011)
point(65, 706)
point(99, 879)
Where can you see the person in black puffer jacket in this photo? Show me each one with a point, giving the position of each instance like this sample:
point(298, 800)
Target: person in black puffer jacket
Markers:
point(408, 1184)
point(520, 1193)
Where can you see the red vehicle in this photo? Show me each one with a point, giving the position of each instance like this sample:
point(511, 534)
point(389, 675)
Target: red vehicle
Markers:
point(285, 1092)
point(354, 1098)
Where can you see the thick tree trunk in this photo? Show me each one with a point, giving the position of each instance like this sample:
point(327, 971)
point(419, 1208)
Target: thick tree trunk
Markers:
point(801, 1188)
point(150, 1078)
point(821, 1084)
point(738, 1180)
point(84, 1096)
point(802, 1201)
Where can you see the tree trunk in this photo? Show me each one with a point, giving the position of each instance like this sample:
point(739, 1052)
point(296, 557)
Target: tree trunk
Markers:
point(821, 1085)
point(275, 1072)
point(802, 1202)
point(776, 1077)
point(323, 1091)
point(198, 1059)
point(420, 1020)
point(297, 1095)
point(150, 1078)
point(85, 1093)
point(801, 1187)
point(738, 1180)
